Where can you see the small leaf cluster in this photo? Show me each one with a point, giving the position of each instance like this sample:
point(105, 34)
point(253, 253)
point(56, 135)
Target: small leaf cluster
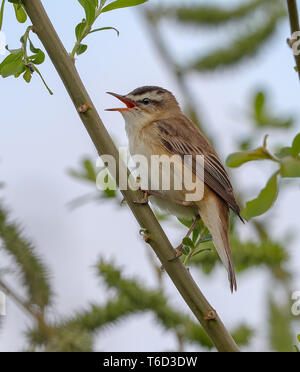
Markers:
point(93, 9)
point(194, 245)
point(288, 160)
point(19, 62)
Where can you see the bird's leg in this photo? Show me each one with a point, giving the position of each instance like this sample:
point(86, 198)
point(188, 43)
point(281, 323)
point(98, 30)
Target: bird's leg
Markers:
point(145, 198)
point(178, 250)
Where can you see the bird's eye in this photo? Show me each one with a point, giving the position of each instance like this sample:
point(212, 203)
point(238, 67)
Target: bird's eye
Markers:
point(146, 101)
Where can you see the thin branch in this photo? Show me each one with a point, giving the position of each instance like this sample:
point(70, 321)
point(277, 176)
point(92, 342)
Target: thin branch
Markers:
point(36, 315)
point(18, 300)
point(104, 145)
point(294, 22)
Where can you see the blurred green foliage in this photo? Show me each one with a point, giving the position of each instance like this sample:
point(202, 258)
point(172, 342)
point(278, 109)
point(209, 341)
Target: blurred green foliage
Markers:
point(247, 38)
point(32, 272)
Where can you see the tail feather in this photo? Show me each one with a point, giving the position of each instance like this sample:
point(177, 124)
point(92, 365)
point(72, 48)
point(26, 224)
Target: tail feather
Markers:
point(215, 215)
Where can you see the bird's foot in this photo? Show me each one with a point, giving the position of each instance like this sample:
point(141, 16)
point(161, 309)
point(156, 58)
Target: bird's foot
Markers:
point(178, 253)
point(145, 234)
point(212, 315)
point(144, 200)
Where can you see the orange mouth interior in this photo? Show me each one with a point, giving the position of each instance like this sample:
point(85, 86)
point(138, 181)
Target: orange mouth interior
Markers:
point(129, 104)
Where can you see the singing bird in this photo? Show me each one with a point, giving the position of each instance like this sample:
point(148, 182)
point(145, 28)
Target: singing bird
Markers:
point(155, 125)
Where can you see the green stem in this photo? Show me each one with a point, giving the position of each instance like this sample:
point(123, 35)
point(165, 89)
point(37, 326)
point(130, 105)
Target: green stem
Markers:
point(24, 43)
point(294, 23)
point(87, 30)
point(35, 314)
point(180, 276)
point(43, 80)
point(1, 13)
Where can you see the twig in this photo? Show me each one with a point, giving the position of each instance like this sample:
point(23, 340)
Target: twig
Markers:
point(17, 299)
point(104, 145)
point(294, 22)
point(36, 315)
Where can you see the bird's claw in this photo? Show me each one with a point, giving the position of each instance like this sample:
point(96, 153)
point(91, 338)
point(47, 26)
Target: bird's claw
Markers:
point(212, 315)
point(145, 234)
point(145, 199)
point(178, 253)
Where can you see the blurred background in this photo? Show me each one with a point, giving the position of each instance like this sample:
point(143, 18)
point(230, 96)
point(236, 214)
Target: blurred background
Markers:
point(77, 272)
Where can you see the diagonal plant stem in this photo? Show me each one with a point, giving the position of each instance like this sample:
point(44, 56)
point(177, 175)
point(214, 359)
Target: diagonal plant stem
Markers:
point(294, 22)
point(180, 276)
point(36, 315)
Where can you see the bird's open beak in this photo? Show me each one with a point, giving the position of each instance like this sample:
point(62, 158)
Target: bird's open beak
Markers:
point(129, 103)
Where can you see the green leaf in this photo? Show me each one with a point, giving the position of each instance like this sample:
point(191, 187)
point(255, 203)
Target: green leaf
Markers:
point(13, 51)
point(187, 222)
point(185, 250)
point(246, 44)
point(81, 49)
point(296, 145)
point(206, 238)
point(196, 233)
point(238, 158)
point(264, 117)
point(208, 15)
point(33, 48)
point(201, 250)
point(39, 55)
point(122, 4)
point(264, 201)
point(20, 13)
point(12, 65)
point(1, 13)
point(43, 80)
point(90, 170)
point(188, 242)
point(90, 10)
point(283, 152)
point(38, 58)
point(290, 167)
point(95, 3)
point(27, 75)
point(259, 102)
point(105, 28)
point(79, 30)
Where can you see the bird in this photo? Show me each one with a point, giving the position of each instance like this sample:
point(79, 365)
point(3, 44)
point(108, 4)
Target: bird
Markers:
point(156, 125)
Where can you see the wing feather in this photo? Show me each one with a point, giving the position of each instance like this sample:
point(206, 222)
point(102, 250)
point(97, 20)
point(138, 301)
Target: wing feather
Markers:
point(180, 136)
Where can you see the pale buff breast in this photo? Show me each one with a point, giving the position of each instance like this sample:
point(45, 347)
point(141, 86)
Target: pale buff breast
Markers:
point(172, 200)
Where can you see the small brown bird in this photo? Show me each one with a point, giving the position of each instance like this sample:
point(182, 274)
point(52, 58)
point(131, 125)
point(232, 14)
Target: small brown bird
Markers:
point(155, 125)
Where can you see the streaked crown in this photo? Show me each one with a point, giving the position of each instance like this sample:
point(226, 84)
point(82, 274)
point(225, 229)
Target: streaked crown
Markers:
point(153, 98)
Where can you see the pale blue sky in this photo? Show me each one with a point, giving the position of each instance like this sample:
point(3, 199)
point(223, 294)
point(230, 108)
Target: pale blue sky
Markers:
point(41, 137)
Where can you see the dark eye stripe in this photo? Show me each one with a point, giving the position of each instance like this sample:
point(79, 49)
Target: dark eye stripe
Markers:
point(154, 102)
